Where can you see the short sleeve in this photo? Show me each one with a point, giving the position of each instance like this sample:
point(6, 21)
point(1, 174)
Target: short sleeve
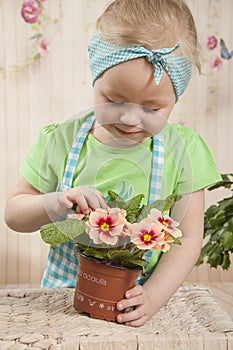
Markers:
point(39, 167)
point(45, 163)
point(198, 169)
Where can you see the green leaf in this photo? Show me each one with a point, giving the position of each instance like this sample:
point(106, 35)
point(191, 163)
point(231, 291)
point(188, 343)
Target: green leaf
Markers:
point(215, 235)
point(161, 205)
point(115, 201)
point(170, 201)
point(126, 258)
point(218, 219)
point(200, 260)
point(36, 36)
point(227, 240)
point(62, 231)
point(133, 208)
point(208, 248)
point(225, 182)
point(135, 263)
point(176, 240)
point(216, 257)
point(117, 256)
point(226, 261)
point(95, 253)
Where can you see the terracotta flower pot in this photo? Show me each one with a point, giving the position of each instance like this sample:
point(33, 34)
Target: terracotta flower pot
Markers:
point(99, 287)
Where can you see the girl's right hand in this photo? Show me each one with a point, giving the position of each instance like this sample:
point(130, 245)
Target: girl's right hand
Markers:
point(86, 198)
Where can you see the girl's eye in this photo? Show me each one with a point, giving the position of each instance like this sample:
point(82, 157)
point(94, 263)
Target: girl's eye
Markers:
point(149, 110)
point(117, 103)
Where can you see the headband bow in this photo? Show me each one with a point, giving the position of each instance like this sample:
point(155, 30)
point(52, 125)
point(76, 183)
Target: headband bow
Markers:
point(104, 55)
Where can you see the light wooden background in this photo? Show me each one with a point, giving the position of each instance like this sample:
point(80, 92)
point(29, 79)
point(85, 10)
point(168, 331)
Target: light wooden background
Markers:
point(59, 86)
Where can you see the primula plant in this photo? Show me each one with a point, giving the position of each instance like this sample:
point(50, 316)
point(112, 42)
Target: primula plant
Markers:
point(218, 229)
point(120, 235)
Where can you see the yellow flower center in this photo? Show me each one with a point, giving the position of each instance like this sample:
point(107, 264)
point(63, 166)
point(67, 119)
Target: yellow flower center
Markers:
point(104, 226)
point(165, 223)
point(147, 237)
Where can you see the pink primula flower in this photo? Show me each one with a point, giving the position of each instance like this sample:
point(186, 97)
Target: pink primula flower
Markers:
point(105, 226)
point(169, 225)
point(147, 234)
point(216, 62)
point(212, 42)
point(168, 239)
point(42, 46)
point(30, 11)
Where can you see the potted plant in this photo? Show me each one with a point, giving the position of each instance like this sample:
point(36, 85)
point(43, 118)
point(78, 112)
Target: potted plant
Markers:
point(218, 229)
point(111, 244)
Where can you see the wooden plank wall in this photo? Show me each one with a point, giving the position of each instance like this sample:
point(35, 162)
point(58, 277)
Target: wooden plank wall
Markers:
point(59, 86)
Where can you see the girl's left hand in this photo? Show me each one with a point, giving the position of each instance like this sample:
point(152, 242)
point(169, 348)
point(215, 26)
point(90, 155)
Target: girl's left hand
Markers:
point(142, 303)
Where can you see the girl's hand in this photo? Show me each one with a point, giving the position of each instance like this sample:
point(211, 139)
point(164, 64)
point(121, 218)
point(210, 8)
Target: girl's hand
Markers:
point(142, 303)
point(86, 198)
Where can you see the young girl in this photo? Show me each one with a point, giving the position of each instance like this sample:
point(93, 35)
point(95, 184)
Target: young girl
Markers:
point(141, 58)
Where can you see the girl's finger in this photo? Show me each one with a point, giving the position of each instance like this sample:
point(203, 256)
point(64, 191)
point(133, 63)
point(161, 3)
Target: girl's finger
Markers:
point(80, 200)
point(137, 323)
point(136, 314)
point(132, 302)
point(133, 292)
point(96, 202)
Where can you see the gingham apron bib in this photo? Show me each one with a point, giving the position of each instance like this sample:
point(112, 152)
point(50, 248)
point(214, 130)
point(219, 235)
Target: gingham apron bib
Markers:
point(62, 262)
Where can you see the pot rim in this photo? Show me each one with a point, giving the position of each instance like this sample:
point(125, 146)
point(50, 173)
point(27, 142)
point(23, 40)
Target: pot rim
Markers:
point(99, 261)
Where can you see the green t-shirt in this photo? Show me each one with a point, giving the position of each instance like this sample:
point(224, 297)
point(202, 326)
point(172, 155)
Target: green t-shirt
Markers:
point(188, 163)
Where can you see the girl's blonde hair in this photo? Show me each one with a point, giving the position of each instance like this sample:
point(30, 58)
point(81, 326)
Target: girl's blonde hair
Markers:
point(153, 24)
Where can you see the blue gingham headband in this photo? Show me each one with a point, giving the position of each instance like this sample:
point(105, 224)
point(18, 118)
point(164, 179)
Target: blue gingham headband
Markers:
point(104, 55)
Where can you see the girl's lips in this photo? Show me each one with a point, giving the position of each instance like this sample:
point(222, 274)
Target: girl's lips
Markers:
point(127, 133)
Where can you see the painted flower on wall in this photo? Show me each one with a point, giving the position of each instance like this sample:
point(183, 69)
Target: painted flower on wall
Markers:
point(216, 62)
point(43, 46)
point(30, 11)
point(212, 42)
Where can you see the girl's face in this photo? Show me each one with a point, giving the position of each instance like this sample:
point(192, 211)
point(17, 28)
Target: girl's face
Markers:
point(129, 107)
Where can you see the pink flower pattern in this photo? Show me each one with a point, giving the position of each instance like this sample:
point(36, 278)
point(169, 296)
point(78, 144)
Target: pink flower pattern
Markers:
point(212, 42)
point(216, 62)
point(30, 11)
point(42, 46)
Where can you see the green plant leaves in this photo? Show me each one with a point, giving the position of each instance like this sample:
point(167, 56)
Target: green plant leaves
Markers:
point(218, 229)
point(126, 255)
point(115, 256)
point(227, 182)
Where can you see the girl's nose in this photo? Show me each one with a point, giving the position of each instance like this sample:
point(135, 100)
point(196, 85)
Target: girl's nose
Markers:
point(130, 115)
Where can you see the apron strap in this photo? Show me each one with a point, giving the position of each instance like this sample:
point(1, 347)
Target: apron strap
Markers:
point(157, 167)
point(75, 152)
